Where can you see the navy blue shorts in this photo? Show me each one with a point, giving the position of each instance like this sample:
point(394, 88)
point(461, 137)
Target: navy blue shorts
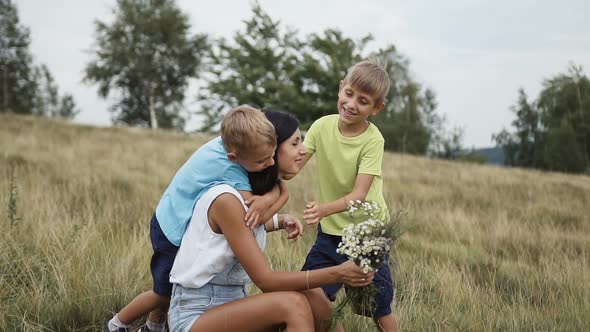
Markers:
point(162, 259)
point(323, 254)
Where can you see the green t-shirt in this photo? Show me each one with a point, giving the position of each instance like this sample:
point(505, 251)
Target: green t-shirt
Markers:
point(339, 160)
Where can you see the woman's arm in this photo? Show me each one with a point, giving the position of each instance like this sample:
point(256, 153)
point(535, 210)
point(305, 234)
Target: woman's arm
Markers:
point(227, 212)
point(290, 224)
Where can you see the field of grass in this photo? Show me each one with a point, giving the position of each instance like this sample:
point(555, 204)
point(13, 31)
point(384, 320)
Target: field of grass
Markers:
point(485, 248)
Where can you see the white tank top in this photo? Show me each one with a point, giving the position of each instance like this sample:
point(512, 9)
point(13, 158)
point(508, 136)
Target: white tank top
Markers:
point(203, 253)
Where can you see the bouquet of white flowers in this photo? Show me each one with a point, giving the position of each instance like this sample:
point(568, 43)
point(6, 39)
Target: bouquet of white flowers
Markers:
point(368, 244)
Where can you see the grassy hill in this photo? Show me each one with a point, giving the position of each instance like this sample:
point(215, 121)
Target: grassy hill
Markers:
point(486, 248)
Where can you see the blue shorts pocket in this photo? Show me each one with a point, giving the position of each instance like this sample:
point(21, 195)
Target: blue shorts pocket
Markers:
point(191, 300)
point(237, 275)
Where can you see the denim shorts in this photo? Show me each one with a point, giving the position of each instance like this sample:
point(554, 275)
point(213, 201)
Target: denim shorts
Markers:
point(188, 304)
point(162, 259)
point(323, 254)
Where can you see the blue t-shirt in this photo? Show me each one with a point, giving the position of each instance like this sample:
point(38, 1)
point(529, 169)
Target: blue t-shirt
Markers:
point(206, 168)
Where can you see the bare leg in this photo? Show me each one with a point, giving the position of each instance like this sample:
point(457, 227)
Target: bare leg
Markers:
point(262, 312)
point(321, 308)
point(387, 323)
point(144, 303)
point(158, 315)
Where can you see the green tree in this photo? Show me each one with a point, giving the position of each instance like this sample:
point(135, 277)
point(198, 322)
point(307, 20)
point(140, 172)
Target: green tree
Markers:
point(148, 56)
point(506, 140)
point(447, 144)
point(67, 107)
point(325, 61)
point(18, 87)
point(269, 66)
point(552, 132)
point(48, 102)
point(257, 67)
point(566, 98)
point(524, 147)
point(562, 151)
point(409, 121)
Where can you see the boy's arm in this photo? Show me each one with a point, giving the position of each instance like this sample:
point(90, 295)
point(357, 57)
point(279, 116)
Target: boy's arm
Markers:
point(258, 203)
point(262, 208)
point(369, 167)
point(278, 203)
point(314, 211)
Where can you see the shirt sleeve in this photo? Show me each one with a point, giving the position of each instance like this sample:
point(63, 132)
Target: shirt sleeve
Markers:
point(372, 158)
point(236, 177)
point(311, 138)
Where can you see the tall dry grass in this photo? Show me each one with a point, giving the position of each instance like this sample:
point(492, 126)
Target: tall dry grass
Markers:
point(485, 248)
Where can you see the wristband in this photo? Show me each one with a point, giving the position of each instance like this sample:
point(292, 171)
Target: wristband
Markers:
point(275, 222)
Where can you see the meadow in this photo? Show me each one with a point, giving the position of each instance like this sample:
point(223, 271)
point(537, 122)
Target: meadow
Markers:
point(485, 248)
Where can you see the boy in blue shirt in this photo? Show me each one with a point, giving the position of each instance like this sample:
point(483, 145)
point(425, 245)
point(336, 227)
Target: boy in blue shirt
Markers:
point(247, 144)
point(349, 154)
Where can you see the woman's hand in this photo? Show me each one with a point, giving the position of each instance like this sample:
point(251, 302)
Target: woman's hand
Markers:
point(292, 226)
point(351, 275)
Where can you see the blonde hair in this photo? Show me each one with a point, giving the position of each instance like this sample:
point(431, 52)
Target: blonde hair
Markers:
point(370, 76)
point(244, 128)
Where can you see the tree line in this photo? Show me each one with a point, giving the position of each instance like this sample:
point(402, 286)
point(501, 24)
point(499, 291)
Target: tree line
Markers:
point(148, 55)
point(145, 58)
point(551, 132)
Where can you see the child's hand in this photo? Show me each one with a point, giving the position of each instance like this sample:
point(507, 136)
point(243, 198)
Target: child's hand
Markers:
point(292, 226)
point(256, 206)
point(312, 213)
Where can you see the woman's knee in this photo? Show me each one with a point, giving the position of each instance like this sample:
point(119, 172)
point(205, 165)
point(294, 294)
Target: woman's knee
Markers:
point(318, 299)
point(295, 303)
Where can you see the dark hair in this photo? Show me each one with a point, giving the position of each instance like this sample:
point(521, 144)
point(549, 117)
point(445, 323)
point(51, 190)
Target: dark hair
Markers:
point(285, 125)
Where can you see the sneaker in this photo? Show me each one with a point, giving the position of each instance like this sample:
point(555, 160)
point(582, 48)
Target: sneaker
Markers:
point(121, 329)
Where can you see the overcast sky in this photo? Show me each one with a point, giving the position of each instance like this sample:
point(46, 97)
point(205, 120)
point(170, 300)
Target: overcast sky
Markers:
point(473, 54)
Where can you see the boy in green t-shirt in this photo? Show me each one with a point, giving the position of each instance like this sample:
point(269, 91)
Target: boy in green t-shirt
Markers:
point(349, 153)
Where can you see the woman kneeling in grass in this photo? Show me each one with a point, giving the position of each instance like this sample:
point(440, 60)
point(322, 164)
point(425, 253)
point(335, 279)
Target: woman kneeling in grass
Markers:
point(219, 256)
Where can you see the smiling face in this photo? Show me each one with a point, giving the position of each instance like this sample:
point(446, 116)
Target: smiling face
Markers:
point(355, 106)
point(290, 156)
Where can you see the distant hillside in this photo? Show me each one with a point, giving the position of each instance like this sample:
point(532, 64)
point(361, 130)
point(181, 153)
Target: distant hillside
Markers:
point(493, 155)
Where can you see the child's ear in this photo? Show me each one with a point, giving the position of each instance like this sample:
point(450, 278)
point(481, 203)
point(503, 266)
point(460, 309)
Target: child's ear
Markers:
point(231, 156)
point(378, 108)
point(340, 85)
